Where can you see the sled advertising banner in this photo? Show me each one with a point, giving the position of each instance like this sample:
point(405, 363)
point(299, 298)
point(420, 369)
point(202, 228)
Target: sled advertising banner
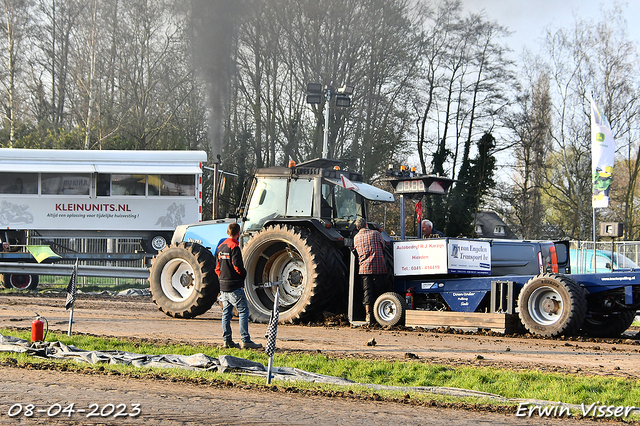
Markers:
point(441, 256)
point(469, 257)
point(420, 257)
point(603, 148)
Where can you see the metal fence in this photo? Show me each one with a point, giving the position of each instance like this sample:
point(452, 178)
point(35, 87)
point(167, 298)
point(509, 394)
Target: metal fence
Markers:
point(582, 260)
point(94, 246)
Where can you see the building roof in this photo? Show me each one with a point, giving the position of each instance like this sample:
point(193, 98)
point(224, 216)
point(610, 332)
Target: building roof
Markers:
point(489, 225)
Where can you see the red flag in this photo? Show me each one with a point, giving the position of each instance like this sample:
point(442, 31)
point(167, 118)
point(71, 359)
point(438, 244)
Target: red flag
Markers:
point(419, 211)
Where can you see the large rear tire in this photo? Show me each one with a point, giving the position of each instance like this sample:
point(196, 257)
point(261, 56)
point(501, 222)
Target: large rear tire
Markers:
point(23, 282)
point(183, 281)
point(310, 268)
point(608, 325)
point(552, 305)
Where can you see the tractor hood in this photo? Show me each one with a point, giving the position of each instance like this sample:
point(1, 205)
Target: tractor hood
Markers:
point(369, 192)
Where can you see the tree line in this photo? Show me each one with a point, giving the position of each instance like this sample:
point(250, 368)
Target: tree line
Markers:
point(435, 86)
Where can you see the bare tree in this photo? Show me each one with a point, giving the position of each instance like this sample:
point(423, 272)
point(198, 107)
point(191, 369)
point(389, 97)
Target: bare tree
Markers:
point(581, 60)
point(14, 26)
point(530, 125)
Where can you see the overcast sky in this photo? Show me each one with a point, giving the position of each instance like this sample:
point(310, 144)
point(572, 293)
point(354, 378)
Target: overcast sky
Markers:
point(527, 19)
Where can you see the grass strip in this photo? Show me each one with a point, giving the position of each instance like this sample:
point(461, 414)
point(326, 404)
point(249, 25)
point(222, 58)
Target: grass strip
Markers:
point(570, 389)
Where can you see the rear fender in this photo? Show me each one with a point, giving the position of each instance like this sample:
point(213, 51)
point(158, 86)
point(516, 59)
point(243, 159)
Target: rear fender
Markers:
point(311, 223)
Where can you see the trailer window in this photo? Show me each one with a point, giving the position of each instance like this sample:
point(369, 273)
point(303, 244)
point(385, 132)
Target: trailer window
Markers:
point(19, 183)
point(177, 185)
point(128, 184)
point(103, 187)
point(65, 183)
point(153, 184)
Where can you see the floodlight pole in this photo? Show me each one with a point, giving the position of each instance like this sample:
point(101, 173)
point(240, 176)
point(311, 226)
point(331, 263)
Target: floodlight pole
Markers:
point(325, 142)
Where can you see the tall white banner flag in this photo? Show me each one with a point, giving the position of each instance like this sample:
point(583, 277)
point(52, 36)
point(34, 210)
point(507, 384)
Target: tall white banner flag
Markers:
point(603, 148)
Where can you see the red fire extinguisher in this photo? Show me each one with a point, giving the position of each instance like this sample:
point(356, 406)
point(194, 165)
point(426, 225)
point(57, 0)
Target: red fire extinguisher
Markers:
point(37, 329)
point(409, 298)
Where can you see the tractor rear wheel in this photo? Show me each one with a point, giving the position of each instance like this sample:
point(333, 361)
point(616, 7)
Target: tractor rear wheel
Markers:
point(183, 281)
point(552, 305)
point(310, 268)
point(608, 325)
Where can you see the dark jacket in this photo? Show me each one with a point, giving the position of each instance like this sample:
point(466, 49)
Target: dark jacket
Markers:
point(229, 265)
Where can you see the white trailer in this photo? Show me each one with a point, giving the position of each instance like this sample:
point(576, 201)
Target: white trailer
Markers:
point(111, 194)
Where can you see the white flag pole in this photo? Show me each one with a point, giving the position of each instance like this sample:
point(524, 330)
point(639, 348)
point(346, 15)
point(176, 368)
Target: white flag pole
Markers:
point(272, 338)
point(70, 321)
point(74, 277)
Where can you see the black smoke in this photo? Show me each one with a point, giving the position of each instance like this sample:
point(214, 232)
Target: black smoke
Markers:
point(214, 25)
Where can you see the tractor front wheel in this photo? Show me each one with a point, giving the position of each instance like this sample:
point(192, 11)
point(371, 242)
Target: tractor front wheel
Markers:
point(183, 281)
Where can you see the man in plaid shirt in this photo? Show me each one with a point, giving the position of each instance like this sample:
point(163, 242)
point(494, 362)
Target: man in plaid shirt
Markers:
point(370, 247)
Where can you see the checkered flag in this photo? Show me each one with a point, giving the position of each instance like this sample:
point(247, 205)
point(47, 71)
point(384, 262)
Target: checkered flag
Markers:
point(72, 288)
point(272, 328)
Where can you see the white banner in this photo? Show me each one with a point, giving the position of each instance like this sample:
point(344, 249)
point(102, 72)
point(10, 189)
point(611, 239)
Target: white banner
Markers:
point(469, 257)
point(441, 256)
point(420, 257)
point(603, 148)
point(108, 213)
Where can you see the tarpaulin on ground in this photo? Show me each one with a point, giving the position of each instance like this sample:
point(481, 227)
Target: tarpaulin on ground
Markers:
point(199, 362)
point(202, 362)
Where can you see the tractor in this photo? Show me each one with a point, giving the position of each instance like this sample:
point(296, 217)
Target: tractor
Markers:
point(297, 229)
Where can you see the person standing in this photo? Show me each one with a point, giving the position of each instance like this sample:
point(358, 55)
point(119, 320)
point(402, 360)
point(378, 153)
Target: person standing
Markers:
point(428, 230)
point(370, 248)
point(231, 274)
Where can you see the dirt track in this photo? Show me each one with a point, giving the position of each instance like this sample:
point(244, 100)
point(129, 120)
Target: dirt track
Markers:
point(137, 317)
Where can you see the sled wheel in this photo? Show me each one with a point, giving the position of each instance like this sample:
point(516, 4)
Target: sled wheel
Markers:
point(390, 309)
point(608, 325)
point(552, 305)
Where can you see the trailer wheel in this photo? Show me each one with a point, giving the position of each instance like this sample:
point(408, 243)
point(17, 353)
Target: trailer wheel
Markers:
point(608, 325)
point(155, 244)
point(183, 281)
point(20, 281)
point(552, 305)
point(310, 268)
point(390, 309)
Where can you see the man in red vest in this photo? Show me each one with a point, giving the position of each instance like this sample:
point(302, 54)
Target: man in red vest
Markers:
point(231, 273)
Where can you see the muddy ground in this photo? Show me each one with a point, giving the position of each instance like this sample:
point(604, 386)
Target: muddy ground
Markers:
point(138, 318)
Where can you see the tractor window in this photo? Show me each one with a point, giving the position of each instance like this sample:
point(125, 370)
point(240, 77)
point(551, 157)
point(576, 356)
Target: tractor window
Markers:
point(347, 205)
point(267, 202)
point(300, 197)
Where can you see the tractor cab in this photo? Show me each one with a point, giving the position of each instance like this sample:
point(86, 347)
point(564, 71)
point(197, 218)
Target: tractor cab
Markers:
point(315, 191)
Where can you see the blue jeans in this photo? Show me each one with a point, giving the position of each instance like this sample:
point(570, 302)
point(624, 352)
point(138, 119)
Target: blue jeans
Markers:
point(238, 299)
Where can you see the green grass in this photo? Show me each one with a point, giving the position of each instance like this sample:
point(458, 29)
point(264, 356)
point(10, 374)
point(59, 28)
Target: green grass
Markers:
point(572, 389)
